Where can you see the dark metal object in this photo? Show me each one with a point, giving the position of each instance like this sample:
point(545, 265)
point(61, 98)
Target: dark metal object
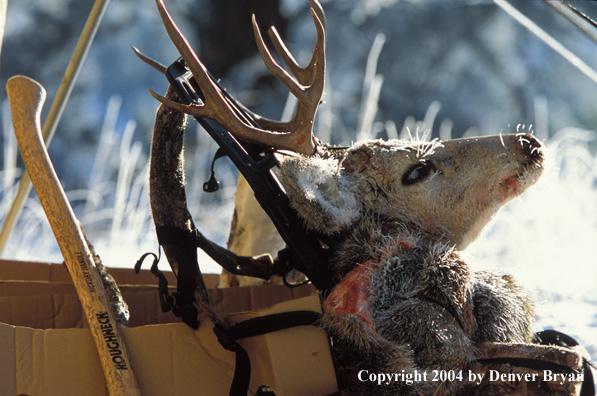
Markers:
point(311, 251)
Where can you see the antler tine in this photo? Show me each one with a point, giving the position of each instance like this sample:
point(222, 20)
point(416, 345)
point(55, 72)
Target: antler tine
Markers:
point(318, 9)
point(151, 62)
point(210, 108)
point(306, 73)
point(308, 85)
point(289, 81)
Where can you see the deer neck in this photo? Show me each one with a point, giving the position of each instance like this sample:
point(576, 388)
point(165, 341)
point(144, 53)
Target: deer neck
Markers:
point(377, 238)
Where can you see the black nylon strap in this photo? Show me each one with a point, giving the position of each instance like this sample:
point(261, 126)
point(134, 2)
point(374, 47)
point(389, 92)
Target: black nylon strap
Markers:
point(189, 278)
point(554, 337)
point(233, 263)
point(551, 337)
point(530, 363)
point(270, 323)
point(242, 372)
point(170, 235)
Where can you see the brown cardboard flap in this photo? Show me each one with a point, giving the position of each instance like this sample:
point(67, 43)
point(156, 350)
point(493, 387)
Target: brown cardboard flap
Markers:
point(53, 272)
point(238, 299)
point(167, 360)
point(57, 306)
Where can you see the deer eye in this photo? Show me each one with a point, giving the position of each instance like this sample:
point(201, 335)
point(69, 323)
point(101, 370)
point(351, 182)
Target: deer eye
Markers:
point(417, 173)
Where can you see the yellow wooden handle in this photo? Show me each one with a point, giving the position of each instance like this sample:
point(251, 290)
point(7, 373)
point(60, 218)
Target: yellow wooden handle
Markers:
point(26, 98)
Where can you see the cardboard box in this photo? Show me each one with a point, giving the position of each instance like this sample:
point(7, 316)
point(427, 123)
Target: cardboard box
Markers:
point(46, 350)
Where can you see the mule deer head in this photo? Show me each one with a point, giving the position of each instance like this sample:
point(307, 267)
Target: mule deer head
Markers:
point(447, 190)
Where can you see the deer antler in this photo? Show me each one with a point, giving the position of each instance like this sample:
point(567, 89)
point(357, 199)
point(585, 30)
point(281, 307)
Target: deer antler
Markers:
point(306, 85)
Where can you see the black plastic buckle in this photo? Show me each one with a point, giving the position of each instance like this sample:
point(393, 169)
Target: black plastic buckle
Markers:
point(166, 300)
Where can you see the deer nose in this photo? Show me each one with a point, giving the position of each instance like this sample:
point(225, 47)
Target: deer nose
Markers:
point(531, 146)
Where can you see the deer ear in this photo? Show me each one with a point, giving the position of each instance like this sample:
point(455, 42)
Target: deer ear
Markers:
point(322, 196)
point(358, 159)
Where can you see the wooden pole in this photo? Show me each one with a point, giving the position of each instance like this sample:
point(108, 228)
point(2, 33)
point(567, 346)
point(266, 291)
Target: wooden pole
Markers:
point(26, 98)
